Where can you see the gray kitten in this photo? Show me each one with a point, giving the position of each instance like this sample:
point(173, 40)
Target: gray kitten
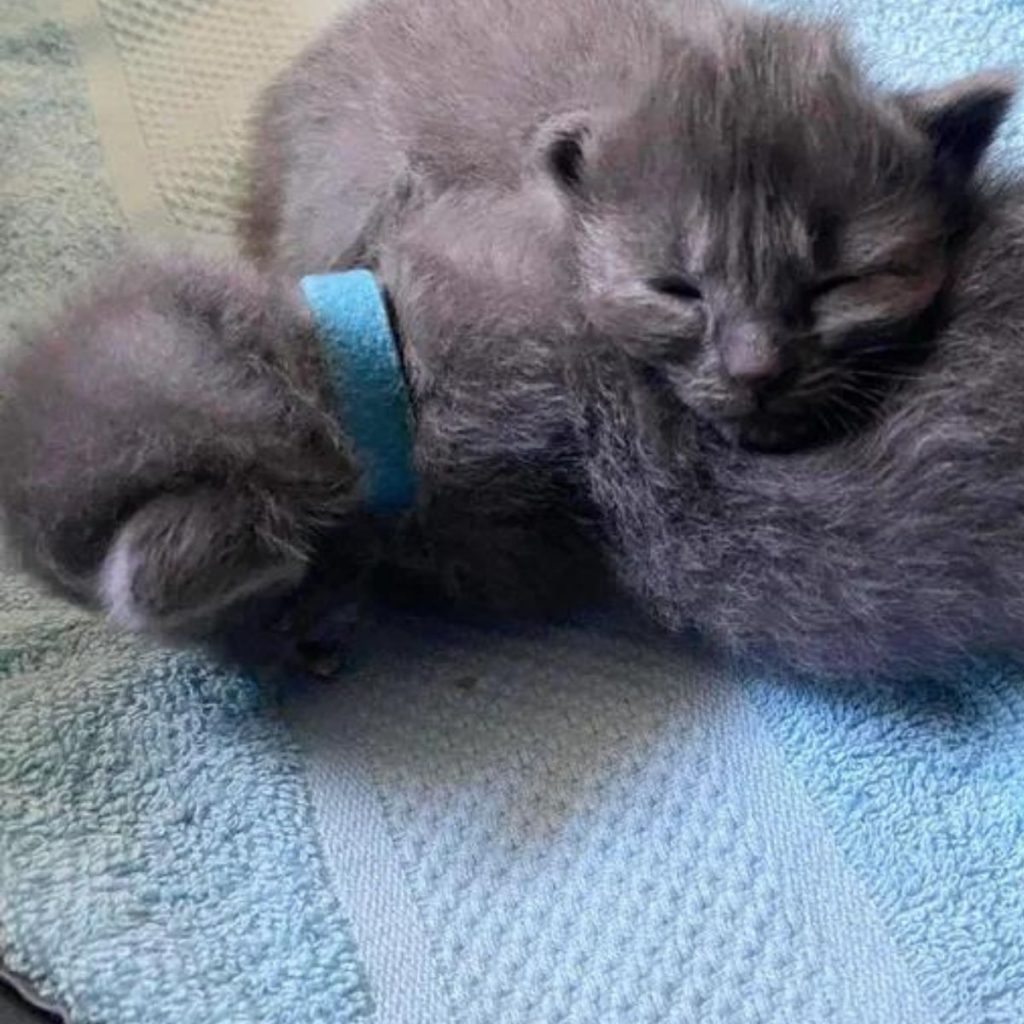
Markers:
point(624, 249)
point(738, 206)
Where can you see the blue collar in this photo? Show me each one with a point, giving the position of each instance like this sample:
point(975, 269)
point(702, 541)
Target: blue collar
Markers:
point(369, 384)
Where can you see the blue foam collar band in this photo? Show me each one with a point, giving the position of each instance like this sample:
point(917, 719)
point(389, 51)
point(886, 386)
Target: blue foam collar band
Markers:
point(369, 383)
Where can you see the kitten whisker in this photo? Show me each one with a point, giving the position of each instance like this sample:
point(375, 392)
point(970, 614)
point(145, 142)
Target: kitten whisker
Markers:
point(836, 400)
point(882, 374)
point(889, 347)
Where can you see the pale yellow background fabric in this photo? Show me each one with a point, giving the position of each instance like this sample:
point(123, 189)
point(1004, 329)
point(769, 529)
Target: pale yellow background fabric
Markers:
point(172, 84)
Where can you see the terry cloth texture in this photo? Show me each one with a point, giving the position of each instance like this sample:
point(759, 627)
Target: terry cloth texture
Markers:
point(583, 826)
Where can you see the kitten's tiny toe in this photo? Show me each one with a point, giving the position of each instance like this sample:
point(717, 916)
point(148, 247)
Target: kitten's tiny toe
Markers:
point(321, 647)
point(305, 634)
point(325, 665)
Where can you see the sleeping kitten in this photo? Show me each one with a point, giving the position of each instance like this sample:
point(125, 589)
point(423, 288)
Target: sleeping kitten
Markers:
point(600, 284)
point(745, 213)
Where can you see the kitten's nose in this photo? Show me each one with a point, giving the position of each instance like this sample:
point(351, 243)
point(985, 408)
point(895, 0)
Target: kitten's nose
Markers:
point(749, 354)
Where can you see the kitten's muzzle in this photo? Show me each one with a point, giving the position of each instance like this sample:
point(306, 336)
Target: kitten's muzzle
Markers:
point(749, 355)
point(766, 416)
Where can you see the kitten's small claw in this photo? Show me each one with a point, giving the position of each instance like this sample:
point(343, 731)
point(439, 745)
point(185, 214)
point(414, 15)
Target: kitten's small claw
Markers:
point(321, 636)
point(305, 635)
point(326, 667)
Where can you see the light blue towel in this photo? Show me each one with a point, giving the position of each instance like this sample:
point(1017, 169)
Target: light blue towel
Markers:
point(157, 864)
point(578, 826)
point(922, 788)
point(590, 827)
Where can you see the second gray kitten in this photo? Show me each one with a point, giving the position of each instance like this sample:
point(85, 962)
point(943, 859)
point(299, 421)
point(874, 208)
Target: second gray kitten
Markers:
point(606, 272)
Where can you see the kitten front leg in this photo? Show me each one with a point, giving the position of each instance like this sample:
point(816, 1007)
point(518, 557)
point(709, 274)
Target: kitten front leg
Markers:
point(236, 574)
point(178, 563)
point(306, 630)
point(169, 452)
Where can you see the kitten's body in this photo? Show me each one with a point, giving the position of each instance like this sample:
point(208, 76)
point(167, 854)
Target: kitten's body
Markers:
point(661, 154)
point(570, 415)
point(894, 550)
point(406, 99)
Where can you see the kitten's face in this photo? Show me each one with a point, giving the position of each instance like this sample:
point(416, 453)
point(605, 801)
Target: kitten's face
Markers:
point(769, 234)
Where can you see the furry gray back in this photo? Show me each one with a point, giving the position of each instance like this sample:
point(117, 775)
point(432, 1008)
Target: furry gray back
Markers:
point(617, 244)
point(406, 99)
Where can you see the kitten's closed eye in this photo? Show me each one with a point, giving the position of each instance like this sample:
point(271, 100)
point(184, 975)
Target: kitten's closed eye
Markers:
point(865, 277)
point(677, 286)
point(831, 284)
point(888, 293)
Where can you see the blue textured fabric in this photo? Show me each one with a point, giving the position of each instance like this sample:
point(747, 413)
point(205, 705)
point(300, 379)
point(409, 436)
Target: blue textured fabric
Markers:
point(922, 786)
point(585, 827)
point(369, 382)
point(582, 827)
point(158, 863)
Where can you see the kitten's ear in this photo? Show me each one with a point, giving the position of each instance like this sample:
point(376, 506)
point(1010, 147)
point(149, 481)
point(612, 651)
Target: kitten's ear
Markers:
point(962, 118)
point(563, 146)
point(183, 560)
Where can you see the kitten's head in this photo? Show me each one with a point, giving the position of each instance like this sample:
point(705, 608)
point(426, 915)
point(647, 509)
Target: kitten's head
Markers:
point(766, 230)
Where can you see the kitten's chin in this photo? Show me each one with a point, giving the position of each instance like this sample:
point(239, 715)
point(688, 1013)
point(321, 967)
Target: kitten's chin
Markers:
point(774, 426)
point(776, 435)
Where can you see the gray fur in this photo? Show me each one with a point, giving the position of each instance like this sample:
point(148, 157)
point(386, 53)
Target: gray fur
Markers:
point(405, 99)
point(894, 550)
point(740, 154)
point(174, 427)
point(617, 241)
